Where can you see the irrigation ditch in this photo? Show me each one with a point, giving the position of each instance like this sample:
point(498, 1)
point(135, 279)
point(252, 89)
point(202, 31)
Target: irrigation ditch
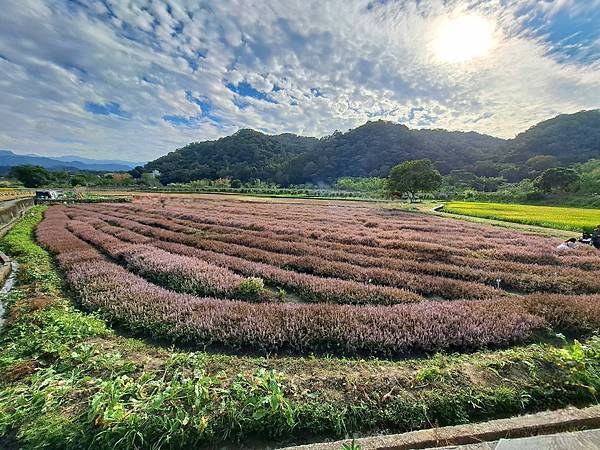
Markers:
point(10, 212)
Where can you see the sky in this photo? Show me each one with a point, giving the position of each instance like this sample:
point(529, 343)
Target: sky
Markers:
point(135, 79)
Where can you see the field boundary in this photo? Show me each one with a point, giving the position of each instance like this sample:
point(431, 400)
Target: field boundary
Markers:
point(543, 423)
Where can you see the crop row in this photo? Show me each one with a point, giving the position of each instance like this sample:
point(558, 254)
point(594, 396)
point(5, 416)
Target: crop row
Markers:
point(389, 267)
point(460, 239)
point(394, 330)
point(211, 273)
point(482, 242)
point(316, 265)
point(390, 229)
point(180, 273)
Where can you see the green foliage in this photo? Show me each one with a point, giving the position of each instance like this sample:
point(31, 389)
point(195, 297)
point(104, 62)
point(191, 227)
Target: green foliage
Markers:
point(372, 149)
point(540, 163)
point(245, 155)
point(37, 176)
point(30, 176)
point(589, 182)
point(351, 446)
point(557, 179)
point(570, 138)
point(251, 288)
point(136, 172)
point(362, 184)
point(412, 177)
point(78, 180)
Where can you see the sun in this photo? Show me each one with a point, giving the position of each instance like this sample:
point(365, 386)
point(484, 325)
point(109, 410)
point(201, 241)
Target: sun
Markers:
point(463, 38)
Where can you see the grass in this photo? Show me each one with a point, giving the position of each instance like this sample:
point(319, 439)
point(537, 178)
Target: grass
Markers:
point(67, 380)
point(573, 219)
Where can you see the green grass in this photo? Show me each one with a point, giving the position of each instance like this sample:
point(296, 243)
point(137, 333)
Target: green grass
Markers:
point(67, 380)
point(572, 219)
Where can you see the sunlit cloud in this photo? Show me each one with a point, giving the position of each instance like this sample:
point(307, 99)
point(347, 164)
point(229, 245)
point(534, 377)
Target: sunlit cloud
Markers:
point(138, 79)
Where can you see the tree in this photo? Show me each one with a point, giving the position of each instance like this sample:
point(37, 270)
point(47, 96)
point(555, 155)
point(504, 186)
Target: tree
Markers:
point(488, 184)
point(122, 178)
point(236, 184)
point(590, 176)
point(31, 176)
point(147, 179)
point(461, 178)
point(486, 169)
point(79, 180)
point(557, 179)
point(539, 163)
point(136, 172)
point(412, 177)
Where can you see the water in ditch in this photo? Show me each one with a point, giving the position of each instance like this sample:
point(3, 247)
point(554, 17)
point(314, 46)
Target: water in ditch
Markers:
point(8, 285)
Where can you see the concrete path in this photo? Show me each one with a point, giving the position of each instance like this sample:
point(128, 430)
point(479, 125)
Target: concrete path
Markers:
point(486, 435)
point(576, 440)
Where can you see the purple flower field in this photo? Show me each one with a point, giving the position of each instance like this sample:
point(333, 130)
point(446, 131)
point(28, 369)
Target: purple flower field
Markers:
point(318, 278)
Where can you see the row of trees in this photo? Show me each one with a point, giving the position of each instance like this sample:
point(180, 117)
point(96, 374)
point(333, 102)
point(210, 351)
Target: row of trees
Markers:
point(412, 177)
point(404, 180)
point(37, 176)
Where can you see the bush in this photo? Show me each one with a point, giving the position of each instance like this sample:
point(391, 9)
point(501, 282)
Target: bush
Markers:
point(251, 288)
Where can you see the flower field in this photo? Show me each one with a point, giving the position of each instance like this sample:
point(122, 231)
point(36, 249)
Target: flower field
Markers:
point(318, 278)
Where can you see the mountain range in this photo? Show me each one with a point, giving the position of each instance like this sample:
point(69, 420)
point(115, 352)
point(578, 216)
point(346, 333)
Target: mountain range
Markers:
point(373, 148)
point(71, 163)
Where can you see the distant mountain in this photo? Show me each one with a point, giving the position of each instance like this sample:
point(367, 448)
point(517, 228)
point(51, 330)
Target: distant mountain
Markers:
point(9, 159)
point(119, 162)
point(373, 148)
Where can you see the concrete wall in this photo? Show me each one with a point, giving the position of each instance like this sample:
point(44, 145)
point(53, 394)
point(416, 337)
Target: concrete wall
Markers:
point(5, 268)
point(11, 210)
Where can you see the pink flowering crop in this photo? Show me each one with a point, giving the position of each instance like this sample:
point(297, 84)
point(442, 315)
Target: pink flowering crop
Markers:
point(360, 277)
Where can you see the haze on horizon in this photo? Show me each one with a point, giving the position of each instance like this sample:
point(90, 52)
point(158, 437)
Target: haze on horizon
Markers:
point(135, 80)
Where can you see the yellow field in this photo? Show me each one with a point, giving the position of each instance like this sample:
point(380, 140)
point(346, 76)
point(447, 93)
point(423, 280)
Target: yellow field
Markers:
point(11, 194)
point(576, 219)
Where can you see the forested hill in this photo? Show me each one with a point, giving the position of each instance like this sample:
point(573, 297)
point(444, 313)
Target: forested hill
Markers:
point(247, 154)
point(373, 148)
point(568, 137)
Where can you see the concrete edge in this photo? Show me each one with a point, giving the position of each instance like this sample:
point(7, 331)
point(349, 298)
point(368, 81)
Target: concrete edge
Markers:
point(5, 268)
point(519, 426)
point(21, 206)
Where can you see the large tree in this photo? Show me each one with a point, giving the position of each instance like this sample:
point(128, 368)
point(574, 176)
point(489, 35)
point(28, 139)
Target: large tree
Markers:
point(31, 176)
point(557, 179)
point(412, 177)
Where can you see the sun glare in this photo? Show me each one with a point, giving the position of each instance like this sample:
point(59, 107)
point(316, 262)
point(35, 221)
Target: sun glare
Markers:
point(463, 38)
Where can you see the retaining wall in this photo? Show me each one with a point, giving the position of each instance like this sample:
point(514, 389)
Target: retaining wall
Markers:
point(12, 210)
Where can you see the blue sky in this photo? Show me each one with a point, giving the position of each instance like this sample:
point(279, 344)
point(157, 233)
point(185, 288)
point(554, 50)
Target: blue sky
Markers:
point(137, 79)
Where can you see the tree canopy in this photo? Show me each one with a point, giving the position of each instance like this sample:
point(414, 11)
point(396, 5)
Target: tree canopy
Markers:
point(372, 149)
point(30, 176)
point(412, 177)
point(557, 179)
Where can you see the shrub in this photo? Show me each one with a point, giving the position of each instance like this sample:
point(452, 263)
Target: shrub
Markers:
point(251, 288)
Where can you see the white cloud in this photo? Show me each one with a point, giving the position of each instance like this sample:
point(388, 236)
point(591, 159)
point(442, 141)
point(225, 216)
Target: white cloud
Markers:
point(327, 65)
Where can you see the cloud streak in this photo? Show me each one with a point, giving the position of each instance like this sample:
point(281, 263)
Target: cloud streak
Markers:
point(138, 79)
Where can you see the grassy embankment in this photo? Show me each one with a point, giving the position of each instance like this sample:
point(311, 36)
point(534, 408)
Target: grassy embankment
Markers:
point(574, 219)
point(67, 380)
